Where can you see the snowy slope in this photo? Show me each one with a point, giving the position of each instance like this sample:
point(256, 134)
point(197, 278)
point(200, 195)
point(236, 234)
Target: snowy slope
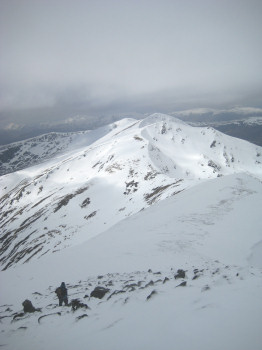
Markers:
point(80, 194)
point(22, 154)
point(212, 231)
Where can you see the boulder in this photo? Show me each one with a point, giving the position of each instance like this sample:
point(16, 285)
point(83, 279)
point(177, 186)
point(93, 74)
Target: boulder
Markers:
point(28, 306)
point(99, 292)
point(180, 274)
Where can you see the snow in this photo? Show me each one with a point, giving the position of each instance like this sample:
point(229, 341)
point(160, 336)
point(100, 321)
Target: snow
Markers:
point(211, 228)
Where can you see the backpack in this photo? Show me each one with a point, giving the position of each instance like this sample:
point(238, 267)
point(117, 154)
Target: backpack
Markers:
point(58, 292)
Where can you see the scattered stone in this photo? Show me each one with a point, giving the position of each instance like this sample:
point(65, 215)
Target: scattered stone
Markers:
point(180, 274)
point(151, 283)
point(76, 304)
point(115, 293)
point(21, 314)
point(151, 294)
point(149, 271)
point(183, 284)
point(53, 313)
point(204, 289)
point(99, 292)
point(81, 317)
point(159, 280)
point(165, 280)
point(195, 277)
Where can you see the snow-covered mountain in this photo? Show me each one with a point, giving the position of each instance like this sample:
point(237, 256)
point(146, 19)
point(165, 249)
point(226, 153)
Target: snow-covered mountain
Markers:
point(23, 154)
point(125, 212)
point(132, 166)
point(241, 122)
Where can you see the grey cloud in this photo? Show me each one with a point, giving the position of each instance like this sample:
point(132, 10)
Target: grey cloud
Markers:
point(69, 57)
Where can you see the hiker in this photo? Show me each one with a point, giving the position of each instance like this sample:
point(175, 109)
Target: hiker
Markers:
point(61, 293)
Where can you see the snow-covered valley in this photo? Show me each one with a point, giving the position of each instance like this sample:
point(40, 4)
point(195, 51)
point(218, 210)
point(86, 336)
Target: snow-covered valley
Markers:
point(127, 212)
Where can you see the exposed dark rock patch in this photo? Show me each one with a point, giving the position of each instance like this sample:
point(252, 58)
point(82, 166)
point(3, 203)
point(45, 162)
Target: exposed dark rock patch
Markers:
point(81, 317)
point(180, 274)
point(87, 217)
point(182, 284)
point(151, 283)
point(85, 203)
point(151, 294)
point(115, 293)
point(76, 304)
point(213, 165)
point(99, 292)
point(18, 316)
point(138, 138)
point(52, 314)
point(131, 186)
point(195, 277)
point(28, 306)
point(156, 192)
point(65, 200)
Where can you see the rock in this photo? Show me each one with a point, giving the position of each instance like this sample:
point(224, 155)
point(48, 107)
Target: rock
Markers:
point(37, 293)
point(48, 315)
point(81, 317)
point(99, 292)
point(183, 284)
point(151, 294)
point(204, 289)
point(195, 277)
point(18, 316)
point(116, 292)
point(28, 306)
point(180, 274)
point(76, 304)
point(151, 283)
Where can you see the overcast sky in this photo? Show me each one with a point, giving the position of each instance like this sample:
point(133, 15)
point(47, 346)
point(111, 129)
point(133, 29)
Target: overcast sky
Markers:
point(60, 58)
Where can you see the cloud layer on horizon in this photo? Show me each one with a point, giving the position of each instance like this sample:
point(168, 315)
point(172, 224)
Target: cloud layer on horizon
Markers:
point(69, 57)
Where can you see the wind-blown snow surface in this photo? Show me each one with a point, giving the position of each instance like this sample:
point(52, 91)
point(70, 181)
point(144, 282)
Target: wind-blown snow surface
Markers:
point(211, 228)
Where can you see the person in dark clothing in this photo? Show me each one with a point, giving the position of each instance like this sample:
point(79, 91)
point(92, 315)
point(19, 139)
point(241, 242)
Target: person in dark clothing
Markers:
point(61, 293)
